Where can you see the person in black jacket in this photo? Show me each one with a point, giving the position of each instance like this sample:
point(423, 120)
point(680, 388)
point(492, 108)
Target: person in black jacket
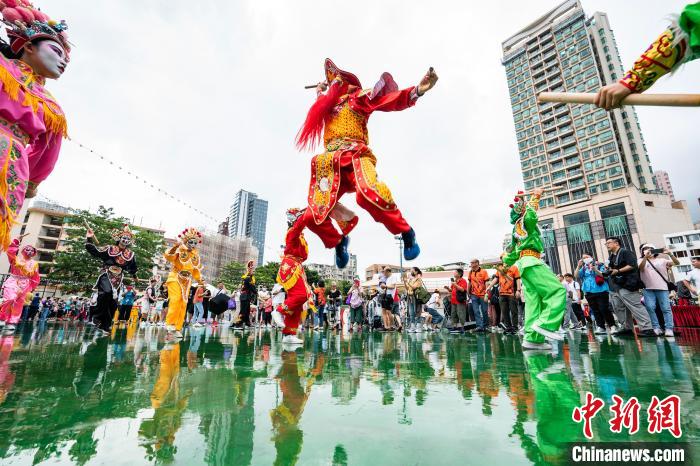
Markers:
point(117, 259)
point(626, 299)
point(249, 293)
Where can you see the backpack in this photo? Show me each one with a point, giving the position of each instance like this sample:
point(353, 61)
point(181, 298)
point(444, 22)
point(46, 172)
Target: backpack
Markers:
point(421, 294)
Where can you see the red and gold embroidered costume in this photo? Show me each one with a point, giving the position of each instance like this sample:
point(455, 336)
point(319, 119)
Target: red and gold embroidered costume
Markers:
point(348, 164)
point(291, 273)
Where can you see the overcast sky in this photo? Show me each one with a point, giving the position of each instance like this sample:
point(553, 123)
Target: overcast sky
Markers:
point(205, 98)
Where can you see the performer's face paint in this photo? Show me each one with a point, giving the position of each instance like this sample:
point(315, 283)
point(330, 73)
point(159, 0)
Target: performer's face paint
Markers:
point(29, 251)
point(192, 243)
point(49, 59)
point(125, 241)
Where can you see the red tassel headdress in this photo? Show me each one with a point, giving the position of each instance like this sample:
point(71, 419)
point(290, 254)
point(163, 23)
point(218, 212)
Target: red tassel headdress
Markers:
point(311, 132)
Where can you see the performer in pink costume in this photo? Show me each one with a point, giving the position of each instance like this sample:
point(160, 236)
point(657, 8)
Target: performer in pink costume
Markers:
point(23, 279)
point(32, 124)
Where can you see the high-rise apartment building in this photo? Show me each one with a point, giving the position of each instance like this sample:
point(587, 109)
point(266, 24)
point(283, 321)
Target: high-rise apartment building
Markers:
point(664, 183)
point(595, 162)
point(248, 218)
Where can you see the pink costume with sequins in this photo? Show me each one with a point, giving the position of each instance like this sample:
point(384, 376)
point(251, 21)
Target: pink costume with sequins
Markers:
point(32, 126)
point(23, 279)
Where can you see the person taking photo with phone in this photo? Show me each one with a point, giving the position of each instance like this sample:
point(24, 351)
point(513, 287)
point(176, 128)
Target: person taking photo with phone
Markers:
point(653, 270)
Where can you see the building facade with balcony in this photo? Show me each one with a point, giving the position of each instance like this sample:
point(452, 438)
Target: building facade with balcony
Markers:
point(685, 245)
point(594, 163)
point(331, 272)
point(43, 223)
point(664, 183)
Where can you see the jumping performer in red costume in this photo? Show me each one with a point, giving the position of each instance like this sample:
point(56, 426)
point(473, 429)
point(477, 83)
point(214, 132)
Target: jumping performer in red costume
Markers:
point(339, 117)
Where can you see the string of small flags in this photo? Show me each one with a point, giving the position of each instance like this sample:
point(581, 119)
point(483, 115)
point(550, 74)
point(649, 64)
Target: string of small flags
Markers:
point(146, 182)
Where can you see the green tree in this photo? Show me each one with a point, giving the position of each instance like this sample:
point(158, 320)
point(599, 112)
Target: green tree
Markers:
point(231, 275)
point(344, 286)
point(76, 269)
point(312, 276)
point(435, 269)
point(267, 274)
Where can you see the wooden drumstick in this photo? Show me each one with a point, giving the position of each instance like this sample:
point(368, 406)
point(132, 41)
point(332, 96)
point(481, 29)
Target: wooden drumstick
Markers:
point(660, 100)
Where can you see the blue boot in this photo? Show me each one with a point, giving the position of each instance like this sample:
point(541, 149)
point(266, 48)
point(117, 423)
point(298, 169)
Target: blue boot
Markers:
point(411, 250)
point(342, 256)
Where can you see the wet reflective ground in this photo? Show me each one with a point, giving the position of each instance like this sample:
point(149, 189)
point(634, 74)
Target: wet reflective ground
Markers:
point(226, 398)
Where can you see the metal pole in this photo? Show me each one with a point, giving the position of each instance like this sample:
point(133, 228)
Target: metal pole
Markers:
point(399, 238)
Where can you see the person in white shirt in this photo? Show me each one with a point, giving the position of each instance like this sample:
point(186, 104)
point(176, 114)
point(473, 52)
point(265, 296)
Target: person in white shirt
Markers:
point(693, 280)
point(573, 297)
point(653, 271)
point(387, 283)
point(432, 308)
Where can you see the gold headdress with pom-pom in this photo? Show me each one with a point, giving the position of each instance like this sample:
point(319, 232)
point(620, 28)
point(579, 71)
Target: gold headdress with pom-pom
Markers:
point(189, 234)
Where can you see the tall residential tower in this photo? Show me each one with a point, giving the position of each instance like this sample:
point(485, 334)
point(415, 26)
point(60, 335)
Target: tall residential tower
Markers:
point(248, 218)
point(595, 161)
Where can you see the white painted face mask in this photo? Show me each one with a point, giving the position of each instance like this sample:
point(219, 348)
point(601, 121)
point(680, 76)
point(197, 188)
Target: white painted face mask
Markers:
point(588, 260)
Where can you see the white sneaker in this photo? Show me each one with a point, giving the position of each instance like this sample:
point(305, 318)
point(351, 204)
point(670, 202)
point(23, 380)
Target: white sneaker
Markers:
point(2, 323)
point(278, 319)
point(658, 332)
point(547, 334)
point(11, 327)
point(614, 329)
point(600, 331)
point(292, 340)
point(529, 345)
point(419, 328)
point(268, 326)
point(669, 333)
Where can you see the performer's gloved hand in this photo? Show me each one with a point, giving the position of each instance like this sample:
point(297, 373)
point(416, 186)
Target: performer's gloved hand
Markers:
point(428, 81)
point(610, 96)
point(90, 234)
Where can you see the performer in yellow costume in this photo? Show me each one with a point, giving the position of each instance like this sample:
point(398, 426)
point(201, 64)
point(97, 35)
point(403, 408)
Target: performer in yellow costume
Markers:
point(186, 264)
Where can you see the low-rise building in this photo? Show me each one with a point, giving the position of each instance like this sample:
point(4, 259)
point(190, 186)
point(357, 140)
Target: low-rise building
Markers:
point(684, 245)
point(331, 272)
point(374, 269)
